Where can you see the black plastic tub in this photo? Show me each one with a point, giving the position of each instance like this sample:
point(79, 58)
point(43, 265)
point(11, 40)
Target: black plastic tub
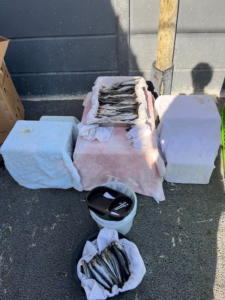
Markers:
point(78, 254)
point(104, 207)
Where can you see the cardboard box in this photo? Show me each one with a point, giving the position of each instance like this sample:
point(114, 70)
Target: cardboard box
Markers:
point(11, 108)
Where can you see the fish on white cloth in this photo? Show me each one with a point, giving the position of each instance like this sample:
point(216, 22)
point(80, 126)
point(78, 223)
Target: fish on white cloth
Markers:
point(136, 267)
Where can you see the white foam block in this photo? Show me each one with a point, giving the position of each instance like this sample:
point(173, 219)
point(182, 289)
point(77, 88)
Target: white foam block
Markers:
point(38, 155)
point(70, 119)
point(189, 136)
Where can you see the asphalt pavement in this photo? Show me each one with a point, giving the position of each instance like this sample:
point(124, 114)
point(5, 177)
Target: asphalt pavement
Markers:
point(181, 240)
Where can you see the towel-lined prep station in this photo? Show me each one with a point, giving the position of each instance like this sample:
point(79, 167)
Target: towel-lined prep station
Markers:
point(118, 136)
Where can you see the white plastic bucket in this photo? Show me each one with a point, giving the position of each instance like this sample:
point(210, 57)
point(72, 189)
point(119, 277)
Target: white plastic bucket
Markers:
point(124, 225)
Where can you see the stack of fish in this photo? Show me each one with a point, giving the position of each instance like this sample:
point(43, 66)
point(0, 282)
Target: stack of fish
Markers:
point(109, 268)
point(119, 101)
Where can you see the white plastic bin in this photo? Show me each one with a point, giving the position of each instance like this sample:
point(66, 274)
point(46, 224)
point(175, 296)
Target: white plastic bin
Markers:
point(124, 225)
point(70, 119)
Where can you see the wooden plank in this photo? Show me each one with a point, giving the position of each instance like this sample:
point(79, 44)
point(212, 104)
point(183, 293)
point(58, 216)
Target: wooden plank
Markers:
point(166, 33)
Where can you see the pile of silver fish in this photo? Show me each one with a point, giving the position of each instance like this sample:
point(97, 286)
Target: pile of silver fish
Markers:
point(109, 268)
point(119, 101)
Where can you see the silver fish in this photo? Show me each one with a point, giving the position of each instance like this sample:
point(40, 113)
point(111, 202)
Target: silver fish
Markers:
point(107, 100)
point(99, 278)
point(117, 92)
point(126, 88)
point(105, 115)
point(119, 96)
point(126, 112)
point(116, 89)
point(105, 91)
point(134, 82)
point(108, 262)
point(121, 260)
point(125, 115)
point(87, 271)
point(129, 118)
point(116, 100)
point(101, 262)
point(102, 102)
point(107, 112)
point(119, 106)
point(121, 248)
point(124, 102)
point(128, 82)
point(116, 266)
point(102, 272)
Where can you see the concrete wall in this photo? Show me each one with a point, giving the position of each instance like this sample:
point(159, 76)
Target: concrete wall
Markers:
point(199, 58)
point(61, 47)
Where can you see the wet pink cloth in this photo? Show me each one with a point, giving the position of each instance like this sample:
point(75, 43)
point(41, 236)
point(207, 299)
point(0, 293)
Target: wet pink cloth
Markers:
point(95, 160)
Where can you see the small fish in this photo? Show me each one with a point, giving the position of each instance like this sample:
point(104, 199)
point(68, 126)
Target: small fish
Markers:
point(103, 102)
point(102, 272)
point(126, 88)
point(87, 271)
point(122, 260)
point(116, 92)
point(119, 96)
point(103, 255)
point(116, 88)
point(129, 118)
point(107, 111)
point(121, 248)
point(99, 278)
point(105, 91)
point(105, 115)
point(129, 111)
point(116, 100)
point(130, 102)
point(101, 262)
point(111, 256)
point(128, 82)
point(119, 106)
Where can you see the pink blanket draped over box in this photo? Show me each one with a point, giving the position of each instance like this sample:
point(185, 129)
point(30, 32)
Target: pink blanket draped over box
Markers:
point(95, 160)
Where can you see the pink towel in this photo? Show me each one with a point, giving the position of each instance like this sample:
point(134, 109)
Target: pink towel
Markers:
point(95, 160)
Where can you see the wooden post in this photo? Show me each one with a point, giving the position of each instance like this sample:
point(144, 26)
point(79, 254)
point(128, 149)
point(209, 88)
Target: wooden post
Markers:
point(166, 33)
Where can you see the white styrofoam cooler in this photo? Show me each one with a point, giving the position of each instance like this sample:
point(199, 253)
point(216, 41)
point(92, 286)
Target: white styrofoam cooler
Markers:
point(188, 136)
point(38, 155)
point(70, 119)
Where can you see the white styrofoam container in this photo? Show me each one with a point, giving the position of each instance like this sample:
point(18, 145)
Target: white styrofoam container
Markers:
point(70, 119)
point(124, 225)
point(189, 136)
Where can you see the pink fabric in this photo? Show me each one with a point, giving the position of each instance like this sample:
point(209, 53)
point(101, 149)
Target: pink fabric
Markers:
point(95, 160)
